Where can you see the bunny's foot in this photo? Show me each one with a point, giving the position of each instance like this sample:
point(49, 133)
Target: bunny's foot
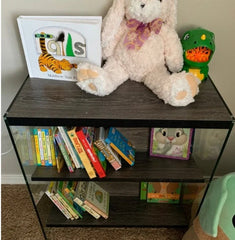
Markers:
point(92, 79)
point(101, 81)
point(184, 89)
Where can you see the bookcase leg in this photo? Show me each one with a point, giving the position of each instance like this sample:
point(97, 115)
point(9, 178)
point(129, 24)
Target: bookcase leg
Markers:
point(216, 165)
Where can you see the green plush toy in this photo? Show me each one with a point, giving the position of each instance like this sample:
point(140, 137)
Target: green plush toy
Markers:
point(198, 49)
point(216, 219)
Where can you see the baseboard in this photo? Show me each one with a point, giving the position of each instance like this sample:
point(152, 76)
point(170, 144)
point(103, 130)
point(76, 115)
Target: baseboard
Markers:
point(12, 179)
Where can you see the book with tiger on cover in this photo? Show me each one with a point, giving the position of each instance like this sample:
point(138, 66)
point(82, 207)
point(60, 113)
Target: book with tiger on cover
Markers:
point(55, 45)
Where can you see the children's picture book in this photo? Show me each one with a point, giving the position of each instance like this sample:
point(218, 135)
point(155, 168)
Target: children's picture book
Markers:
point(90, 153)
point(79, 198)
point(163, 192)
point(73, 153)
point(171, 142)
point(143, 190)
point(191, 191)
point(64, 152)
point(112, 157)
point(55, 45)
point(51, 193)
point(81, 152)
point(97, 198)
point(121, 145)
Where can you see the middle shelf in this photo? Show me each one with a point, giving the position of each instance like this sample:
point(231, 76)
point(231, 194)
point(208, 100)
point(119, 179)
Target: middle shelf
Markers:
point(146, 168)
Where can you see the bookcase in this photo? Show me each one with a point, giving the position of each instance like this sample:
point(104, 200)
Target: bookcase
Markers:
point(135, 110)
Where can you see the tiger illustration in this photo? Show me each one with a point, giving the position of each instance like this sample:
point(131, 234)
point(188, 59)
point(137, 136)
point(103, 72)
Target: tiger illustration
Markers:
point(48, 62)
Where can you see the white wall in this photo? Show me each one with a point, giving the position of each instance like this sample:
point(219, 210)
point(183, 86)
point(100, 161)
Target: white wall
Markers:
point(214, 15)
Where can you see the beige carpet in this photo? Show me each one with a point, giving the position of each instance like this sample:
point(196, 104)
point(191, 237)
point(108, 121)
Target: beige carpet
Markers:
point(19, 222)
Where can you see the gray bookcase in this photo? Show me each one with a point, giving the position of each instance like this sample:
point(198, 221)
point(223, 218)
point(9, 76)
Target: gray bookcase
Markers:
point(135, 109)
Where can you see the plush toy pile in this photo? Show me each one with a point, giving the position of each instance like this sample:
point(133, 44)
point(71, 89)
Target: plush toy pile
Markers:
point(140, 43)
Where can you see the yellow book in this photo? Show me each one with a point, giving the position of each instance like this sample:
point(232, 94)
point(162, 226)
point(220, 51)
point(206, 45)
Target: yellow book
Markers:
point(44, 145)
point(82, 154)
point(35, 135)
point(39, 132)
point(53, 157)
point(121, 154)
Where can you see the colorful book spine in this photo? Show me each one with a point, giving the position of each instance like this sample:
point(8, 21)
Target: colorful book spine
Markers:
point(50, 192)
point(48, 146)
point(74, 215)
point(82, 154)
point(101, 157)
point(121, 145)
point(41, 147)
point(79, 198)
point(35, 135)
point(86, 208)
point(96, 209)
point(73, 154)
point(60, 190)
point(143, 190)
point(63, 208)
point(64, 152)
point(59, 205)
point(108, 153)
point(91, 154)
point(44, 145)
point(52, 147)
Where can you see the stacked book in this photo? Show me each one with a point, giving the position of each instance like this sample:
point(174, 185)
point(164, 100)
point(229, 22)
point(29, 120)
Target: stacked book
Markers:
point(75, 199)
point(88, 148)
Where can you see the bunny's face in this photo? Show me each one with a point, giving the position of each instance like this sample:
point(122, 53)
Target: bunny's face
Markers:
point(144, 10)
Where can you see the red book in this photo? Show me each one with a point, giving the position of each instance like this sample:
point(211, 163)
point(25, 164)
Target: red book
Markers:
point(91, 154)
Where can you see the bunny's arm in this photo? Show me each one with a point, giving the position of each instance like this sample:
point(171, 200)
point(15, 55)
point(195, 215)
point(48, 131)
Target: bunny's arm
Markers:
point(109, 46)
point(173, 49)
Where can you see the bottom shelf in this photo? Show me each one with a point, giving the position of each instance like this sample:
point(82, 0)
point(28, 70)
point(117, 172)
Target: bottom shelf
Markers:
point(124, 212)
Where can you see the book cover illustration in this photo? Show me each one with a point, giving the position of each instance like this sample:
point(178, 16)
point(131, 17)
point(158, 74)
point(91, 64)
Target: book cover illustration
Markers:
point(121, 145)
point(79, 198)
point(163, 192)
point(53, 46)
point(98, 199)
point(171, 142)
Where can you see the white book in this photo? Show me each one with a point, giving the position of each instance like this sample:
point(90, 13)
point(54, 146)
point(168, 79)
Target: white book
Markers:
point(69, 147)
point(69, 40)
point(59, 205)
point(87, 208)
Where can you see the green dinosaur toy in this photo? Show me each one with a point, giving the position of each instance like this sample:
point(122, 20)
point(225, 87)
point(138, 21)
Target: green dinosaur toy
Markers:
point(198, 49)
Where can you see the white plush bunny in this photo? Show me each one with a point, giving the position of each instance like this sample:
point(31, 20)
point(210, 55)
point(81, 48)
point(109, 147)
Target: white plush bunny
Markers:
point(140, 43)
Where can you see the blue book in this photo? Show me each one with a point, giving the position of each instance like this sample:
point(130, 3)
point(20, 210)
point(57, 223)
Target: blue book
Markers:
point(121, 145)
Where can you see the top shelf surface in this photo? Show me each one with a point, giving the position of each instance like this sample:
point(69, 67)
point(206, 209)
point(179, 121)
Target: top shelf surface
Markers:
point(43, 102)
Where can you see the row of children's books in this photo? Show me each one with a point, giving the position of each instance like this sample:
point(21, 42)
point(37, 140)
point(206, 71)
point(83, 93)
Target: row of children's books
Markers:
point(170, 192)
point(75, 199)
point(77, 147)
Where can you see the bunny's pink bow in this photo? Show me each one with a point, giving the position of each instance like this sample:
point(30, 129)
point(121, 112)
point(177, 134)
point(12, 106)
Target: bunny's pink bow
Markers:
point(139, 32)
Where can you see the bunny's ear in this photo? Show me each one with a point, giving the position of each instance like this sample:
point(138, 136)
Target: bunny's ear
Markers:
point(171, 19)
point(113, 19)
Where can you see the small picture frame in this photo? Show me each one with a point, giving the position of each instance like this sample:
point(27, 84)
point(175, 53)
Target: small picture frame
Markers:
point(171, 142)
